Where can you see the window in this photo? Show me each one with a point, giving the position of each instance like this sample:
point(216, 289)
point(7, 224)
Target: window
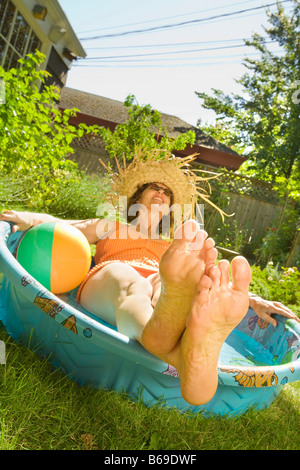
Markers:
point(16, 37)
point(57, 69)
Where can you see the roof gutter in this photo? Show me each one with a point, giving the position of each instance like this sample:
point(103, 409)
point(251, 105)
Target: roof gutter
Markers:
point(61, 17)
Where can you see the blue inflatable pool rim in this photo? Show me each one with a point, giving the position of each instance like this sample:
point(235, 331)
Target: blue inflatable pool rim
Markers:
point(256, 361)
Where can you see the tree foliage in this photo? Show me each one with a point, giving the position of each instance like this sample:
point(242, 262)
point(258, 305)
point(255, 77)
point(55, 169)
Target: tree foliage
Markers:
point(143, 128)
point(225, 132)
point(264, 121)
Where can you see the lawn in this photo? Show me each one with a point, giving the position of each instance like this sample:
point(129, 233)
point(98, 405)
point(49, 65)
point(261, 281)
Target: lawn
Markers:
point(41, 409)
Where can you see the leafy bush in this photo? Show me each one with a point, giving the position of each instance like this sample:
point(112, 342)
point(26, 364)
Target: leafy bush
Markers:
point(277, 242)
point(13, 192)
point(79, 198)
point(141, 130)
point(76, 197)
point(35, 136)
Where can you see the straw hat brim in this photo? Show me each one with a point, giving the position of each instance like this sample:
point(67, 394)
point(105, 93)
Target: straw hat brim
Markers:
point(156, 169)
point(160, 166)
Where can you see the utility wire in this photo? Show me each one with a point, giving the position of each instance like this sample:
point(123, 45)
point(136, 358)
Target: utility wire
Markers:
point(167, 53)
point(172, 62)
point(174, 44)
point(183, 23)
point(159, 19)
point(157, 65)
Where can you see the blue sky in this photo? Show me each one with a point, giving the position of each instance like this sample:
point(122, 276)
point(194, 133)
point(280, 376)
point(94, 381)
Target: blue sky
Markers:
point(165, 65)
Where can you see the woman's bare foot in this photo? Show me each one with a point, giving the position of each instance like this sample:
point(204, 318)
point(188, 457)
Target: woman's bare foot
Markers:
point(217, 309)
point(180, 272)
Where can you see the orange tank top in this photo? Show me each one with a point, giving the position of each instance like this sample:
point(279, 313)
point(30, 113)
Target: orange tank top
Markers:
point(125, 245)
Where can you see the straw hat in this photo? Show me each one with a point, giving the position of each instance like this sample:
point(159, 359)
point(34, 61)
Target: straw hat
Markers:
point(160, 166)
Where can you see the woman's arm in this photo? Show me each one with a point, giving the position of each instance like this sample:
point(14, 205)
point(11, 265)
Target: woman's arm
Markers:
point(266, 308)
point(93, 229)
point(24, 220)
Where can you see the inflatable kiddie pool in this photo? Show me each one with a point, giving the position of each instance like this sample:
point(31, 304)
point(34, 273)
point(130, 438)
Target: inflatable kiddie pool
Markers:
point(256, 361)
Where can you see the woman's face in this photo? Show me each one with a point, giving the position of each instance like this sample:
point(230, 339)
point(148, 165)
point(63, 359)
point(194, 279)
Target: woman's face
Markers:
point(153, 204)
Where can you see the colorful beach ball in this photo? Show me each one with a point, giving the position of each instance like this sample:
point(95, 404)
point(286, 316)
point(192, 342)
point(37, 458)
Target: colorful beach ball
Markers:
point(56, 254)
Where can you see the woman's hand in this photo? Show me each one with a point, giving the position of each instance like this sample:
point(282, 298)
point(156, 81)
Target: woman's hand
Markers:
point(24, 220)
point(264, 309)
point(91, 228)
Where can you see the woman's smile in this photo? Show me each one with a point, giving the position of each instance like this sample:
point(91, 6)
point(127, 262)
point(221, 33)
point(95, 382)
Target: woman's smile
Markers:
point(158, 198)
point(156, 194)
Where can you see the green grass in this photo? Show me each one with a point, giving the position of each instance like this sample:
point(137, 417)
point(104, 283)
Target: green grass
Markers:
point(41, 409)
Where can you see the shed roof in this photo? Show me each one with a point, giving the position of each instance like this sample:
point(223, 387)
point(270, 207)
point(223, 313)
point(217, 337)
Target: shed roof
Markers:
point(114, 112)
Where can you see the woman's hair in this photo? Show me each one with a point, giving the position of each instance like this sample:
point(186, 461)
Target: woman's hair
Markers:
point(134, 199)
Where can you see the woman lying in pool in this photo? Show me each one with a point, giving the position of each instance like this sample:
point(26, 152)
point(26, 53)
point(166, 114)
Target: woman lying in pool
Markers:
point(171, 297)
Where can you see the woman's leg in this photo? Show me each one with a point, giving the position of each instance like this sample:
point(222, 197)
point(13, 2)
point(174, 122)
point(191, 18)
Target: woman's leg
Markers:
point(196, 310)
point(121, 296)
point(217, 309)
point(180, 271)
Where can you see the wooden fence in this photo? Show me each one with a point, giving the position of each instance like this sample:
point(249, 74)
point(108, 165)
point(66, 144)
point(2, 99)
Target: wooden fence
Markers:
point(256, 208)
point(253, 217)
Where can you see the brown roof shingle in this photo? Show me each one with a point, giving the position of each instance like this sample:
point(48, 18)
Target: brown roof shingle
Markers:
point(115, 111)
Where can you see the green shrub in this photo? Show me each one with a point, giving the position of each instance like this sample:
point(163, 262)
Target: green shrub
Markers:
point(141, 130)
point(35, 136)
point(78, 198)
point(277, 242)
point(277, 284)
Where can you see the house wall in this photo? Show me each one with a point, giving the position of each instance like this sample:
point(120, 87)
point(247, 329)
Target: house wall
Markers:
point(55, 34)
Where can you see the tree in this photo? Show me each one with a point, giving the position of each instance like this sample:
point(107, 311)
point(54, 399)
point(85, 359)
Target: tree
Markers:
point(35, 136)
point(143, 128)
point(265, 120)
point(226, 133)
